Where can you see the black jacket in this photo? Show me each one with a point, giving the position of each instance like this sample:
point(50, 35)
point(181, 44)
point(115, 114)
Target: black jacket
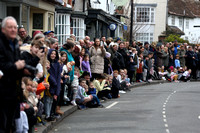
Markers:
point(10, 83)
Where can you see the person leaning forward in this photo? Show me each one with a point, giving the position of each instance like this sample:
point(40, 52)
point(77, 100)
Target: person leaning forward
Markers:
point(12, 68)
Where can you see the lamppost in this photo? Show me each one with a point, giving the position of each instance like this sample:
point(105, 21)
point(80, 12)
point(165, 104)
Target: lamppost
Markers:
point(131, 24)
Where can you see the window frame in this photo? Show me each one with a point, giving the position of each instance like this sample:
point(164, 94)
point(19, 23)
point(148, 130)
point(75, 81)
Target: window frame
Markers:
point(149, 17)
point(78, 28)
point(144, 37)
point(62, 27)
point(173, 20)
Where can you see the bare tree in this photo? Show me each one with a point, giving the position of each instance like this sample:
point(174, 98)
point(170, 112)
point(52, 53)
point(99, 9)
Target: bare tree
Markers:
point(137, 25)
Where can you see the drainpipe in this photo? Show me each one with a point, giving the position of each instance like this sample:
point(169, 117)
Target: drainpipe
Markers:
point(97, 29)
point(131, 25)
point(83, 5)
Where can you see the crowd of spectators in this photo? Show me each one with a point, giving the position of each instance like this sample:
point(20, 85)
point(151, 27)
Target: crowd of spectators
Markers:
point(81, 72)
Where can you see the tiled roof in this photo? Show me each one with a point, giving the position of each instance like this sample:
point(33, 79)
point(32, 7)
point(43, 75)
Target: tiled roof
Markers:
point(191, 7)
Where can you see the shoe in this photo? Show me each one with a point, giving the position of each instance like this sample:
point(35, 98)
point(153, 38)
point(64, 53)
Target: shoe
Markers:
point(58, 111)
point(100, 106)
point(140, 81)
point(36, 129)
point(73, 103)
point(81, 107)
point(104, 98)
point(122, 92)
point(66, 99)
point(150, 80)
point(118, 96)
point(50, 118)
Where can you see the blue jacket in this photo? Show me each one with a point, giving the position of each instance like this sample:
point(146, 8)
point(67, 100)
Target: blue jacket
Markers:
point(55, 74)
point(70, 58)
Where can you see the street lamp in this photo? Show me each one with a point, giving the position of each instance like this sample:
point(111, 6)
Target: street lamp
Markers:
point(131, 25)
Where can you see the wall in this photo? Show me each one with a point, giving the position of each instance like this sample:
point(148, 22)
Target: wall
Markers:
point(160, 16)
point(192, 34)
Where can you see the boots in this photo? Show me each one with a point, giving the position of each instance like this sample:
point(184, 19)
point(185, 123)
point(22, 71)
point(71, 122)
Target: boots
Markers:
point(58, 111)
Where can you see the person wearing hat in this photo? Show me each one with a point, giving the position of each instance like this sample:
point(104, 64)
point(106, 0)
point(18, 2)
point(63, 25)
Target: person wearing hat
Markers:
point(49, 34)
point(107, 64)
point(118, 40)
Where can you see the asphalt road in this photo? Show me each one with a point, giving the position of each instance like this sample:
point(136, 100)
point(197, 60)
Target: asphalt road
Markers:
point(162, 108)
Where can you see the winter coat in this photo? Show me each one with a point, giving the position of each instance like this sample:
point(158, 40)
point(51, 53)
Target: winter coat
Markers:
point(181, 54)
point(124, 55)
point(107, 66)
point(97, 59)
point(159, 59)
point(55, 74)
point(70, 58)
point(116, 59)
point(29, 59)
point(86, 66)
point(191, 63)
point(165, 59)
point(115, 87)
point(10, 83)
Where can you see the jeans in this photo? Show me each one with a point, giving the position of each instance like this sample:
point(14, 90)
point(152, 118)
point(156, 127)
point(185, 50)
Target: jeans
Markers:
point(47, 105)
point(95, 99)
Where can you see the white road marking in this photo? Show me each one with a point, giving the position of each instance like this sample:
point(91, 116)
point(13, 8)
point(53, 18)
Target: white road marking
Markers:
point(113, 104)
point(164, 120)
point(167, 130)
point(199, 117)
point(164, 109)
point(164, 106)
point(164, 116)
point(166, 125)
point(163, 112)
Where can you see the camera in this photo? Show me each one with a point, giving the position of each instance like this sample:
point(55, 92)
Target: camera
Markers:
point(42, 49)
point(31, 69)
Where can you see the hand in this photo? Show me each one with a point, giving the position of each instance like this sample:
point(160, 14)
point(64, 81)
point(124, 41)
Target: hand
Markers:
point(40, 54)
point(20, 64)
point(55, 97)
point(46, 85)
point(1, 76)
point(61, 81)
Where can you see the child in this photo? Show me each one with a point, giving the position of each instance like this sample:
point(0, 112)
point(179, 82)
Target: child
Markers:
point(86, 64)
point(146, 69)
point(186, 76)
point(177, 62)
point(30, 109)
point(139, 71)
point(115, 85)
point(54, 79)
point(92, 91)
point(131, 68)
point(81, 57)
point(64, 78)
point(126, 76)
point(101, 86)
point(74, 85)
point(174, 75)
point(82, 98)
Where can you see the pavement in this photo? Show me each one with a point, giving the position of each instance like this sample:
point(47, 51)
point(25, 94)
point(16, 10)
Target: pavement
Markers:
point(71, 109)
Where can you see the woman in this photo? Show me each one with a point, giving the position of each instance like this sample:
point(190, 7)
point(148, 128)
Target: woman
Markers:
point(69, 48)
point(97, 54)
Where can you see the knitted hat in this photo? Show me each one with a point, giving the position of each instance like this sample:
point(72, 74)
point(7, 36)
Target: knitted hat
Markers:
point(108, 55)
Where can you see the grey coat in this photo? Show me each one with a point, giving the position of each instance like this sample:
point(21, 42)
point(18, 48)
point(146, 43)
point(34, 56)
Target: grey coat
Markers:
point(181, 54)
point(165, 59)
point(97, 59)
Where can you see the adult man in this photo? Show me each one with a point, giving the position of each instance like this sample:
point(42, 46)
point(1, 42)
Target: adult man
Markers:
point(23, 35)
point(11, 66)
